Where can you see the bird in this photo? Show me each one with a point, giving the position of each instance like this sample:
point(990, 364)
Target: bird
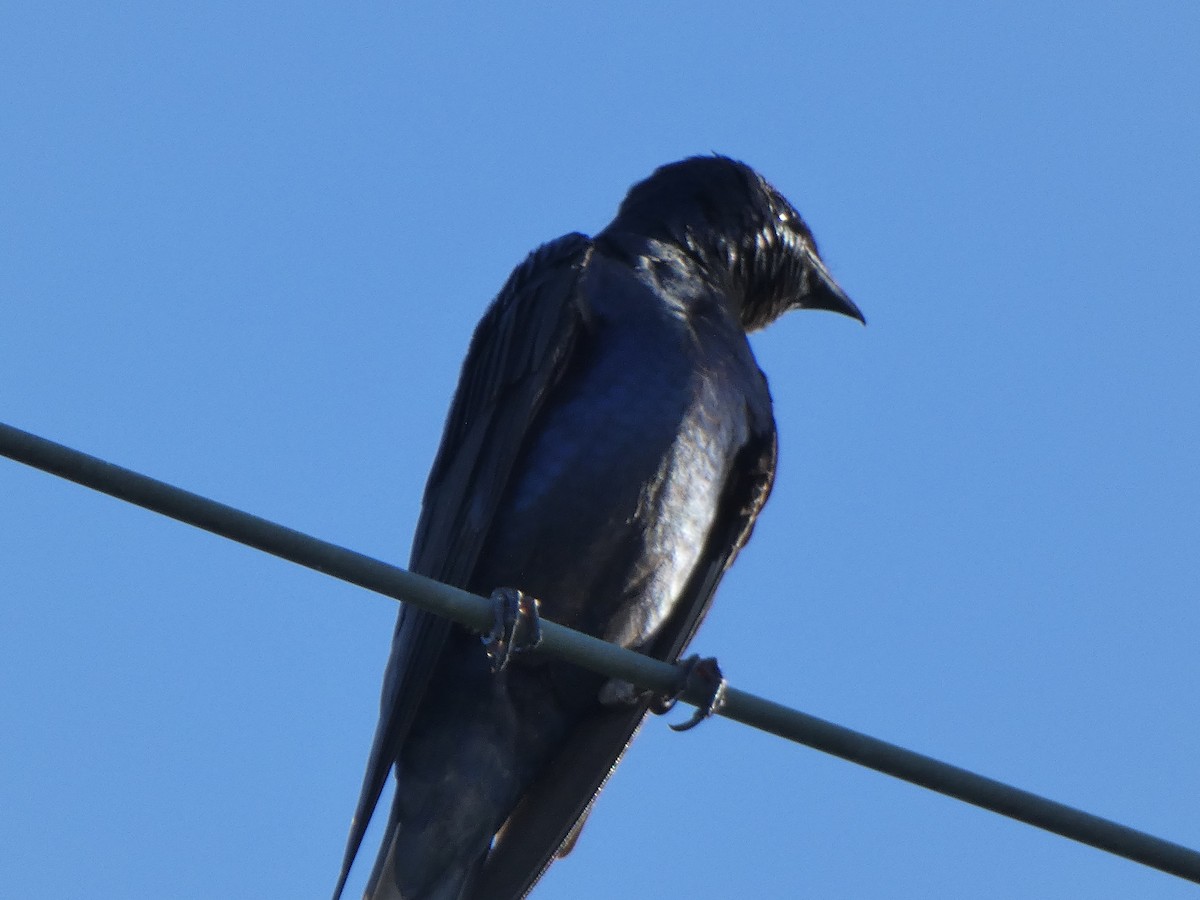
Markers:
point(608, 448)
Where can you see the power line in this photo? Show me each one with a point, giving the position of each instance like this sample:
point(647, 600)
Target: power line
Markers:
point(598, 656)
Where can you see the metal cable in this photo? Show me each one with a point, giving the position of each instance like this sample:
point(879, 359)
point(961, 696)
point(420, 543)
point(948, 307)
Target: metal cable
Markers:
point(599, 656)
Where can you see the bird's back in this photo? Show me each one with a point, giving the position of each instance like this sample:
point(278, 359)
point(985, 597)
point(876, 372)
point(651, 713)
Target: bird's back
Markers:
point(621, 477)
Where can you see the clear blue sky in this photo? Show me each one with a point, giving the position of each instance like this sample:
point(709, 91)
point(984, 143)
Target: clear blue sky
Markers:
point(242, 249)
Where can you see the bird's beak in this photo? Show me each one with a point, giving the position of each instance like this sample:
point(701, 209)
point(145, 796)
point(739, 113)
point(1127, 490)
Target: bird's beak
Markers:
point(828, 294)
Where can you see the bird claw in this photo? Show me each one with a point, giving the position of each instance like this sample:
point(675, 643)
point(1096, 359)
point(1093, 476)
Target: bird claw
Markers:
point(705, 674)
point(511, 608)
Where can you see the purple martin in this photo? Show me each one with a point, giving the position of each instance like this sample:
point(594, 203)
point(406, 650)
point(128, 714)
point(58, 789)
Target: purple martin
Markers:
point(607, 451)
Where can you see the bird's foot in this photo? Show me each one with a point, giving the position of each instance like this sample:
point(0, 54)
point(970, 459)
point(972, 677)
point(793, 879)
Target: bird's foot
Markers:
point(700, 673)
point(516, 626)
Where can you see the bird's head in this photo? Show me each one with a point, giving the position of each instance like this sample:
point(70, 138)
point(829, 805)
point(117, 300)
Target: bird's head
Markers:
point(741, 231)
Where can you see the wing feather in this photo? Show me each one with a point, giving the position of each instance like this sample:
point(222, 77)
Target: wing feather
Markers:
point(518, 353)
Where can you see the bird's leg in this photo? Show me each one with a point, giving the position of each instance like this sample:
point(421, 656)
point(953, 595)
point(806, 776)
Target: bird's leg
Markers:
point(511, 608)
point(704, 674)
point(694, 672)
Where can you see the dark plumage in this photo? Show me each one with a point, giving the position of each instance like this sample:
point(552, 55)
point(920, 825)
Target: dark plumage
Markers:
point(609, 447)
